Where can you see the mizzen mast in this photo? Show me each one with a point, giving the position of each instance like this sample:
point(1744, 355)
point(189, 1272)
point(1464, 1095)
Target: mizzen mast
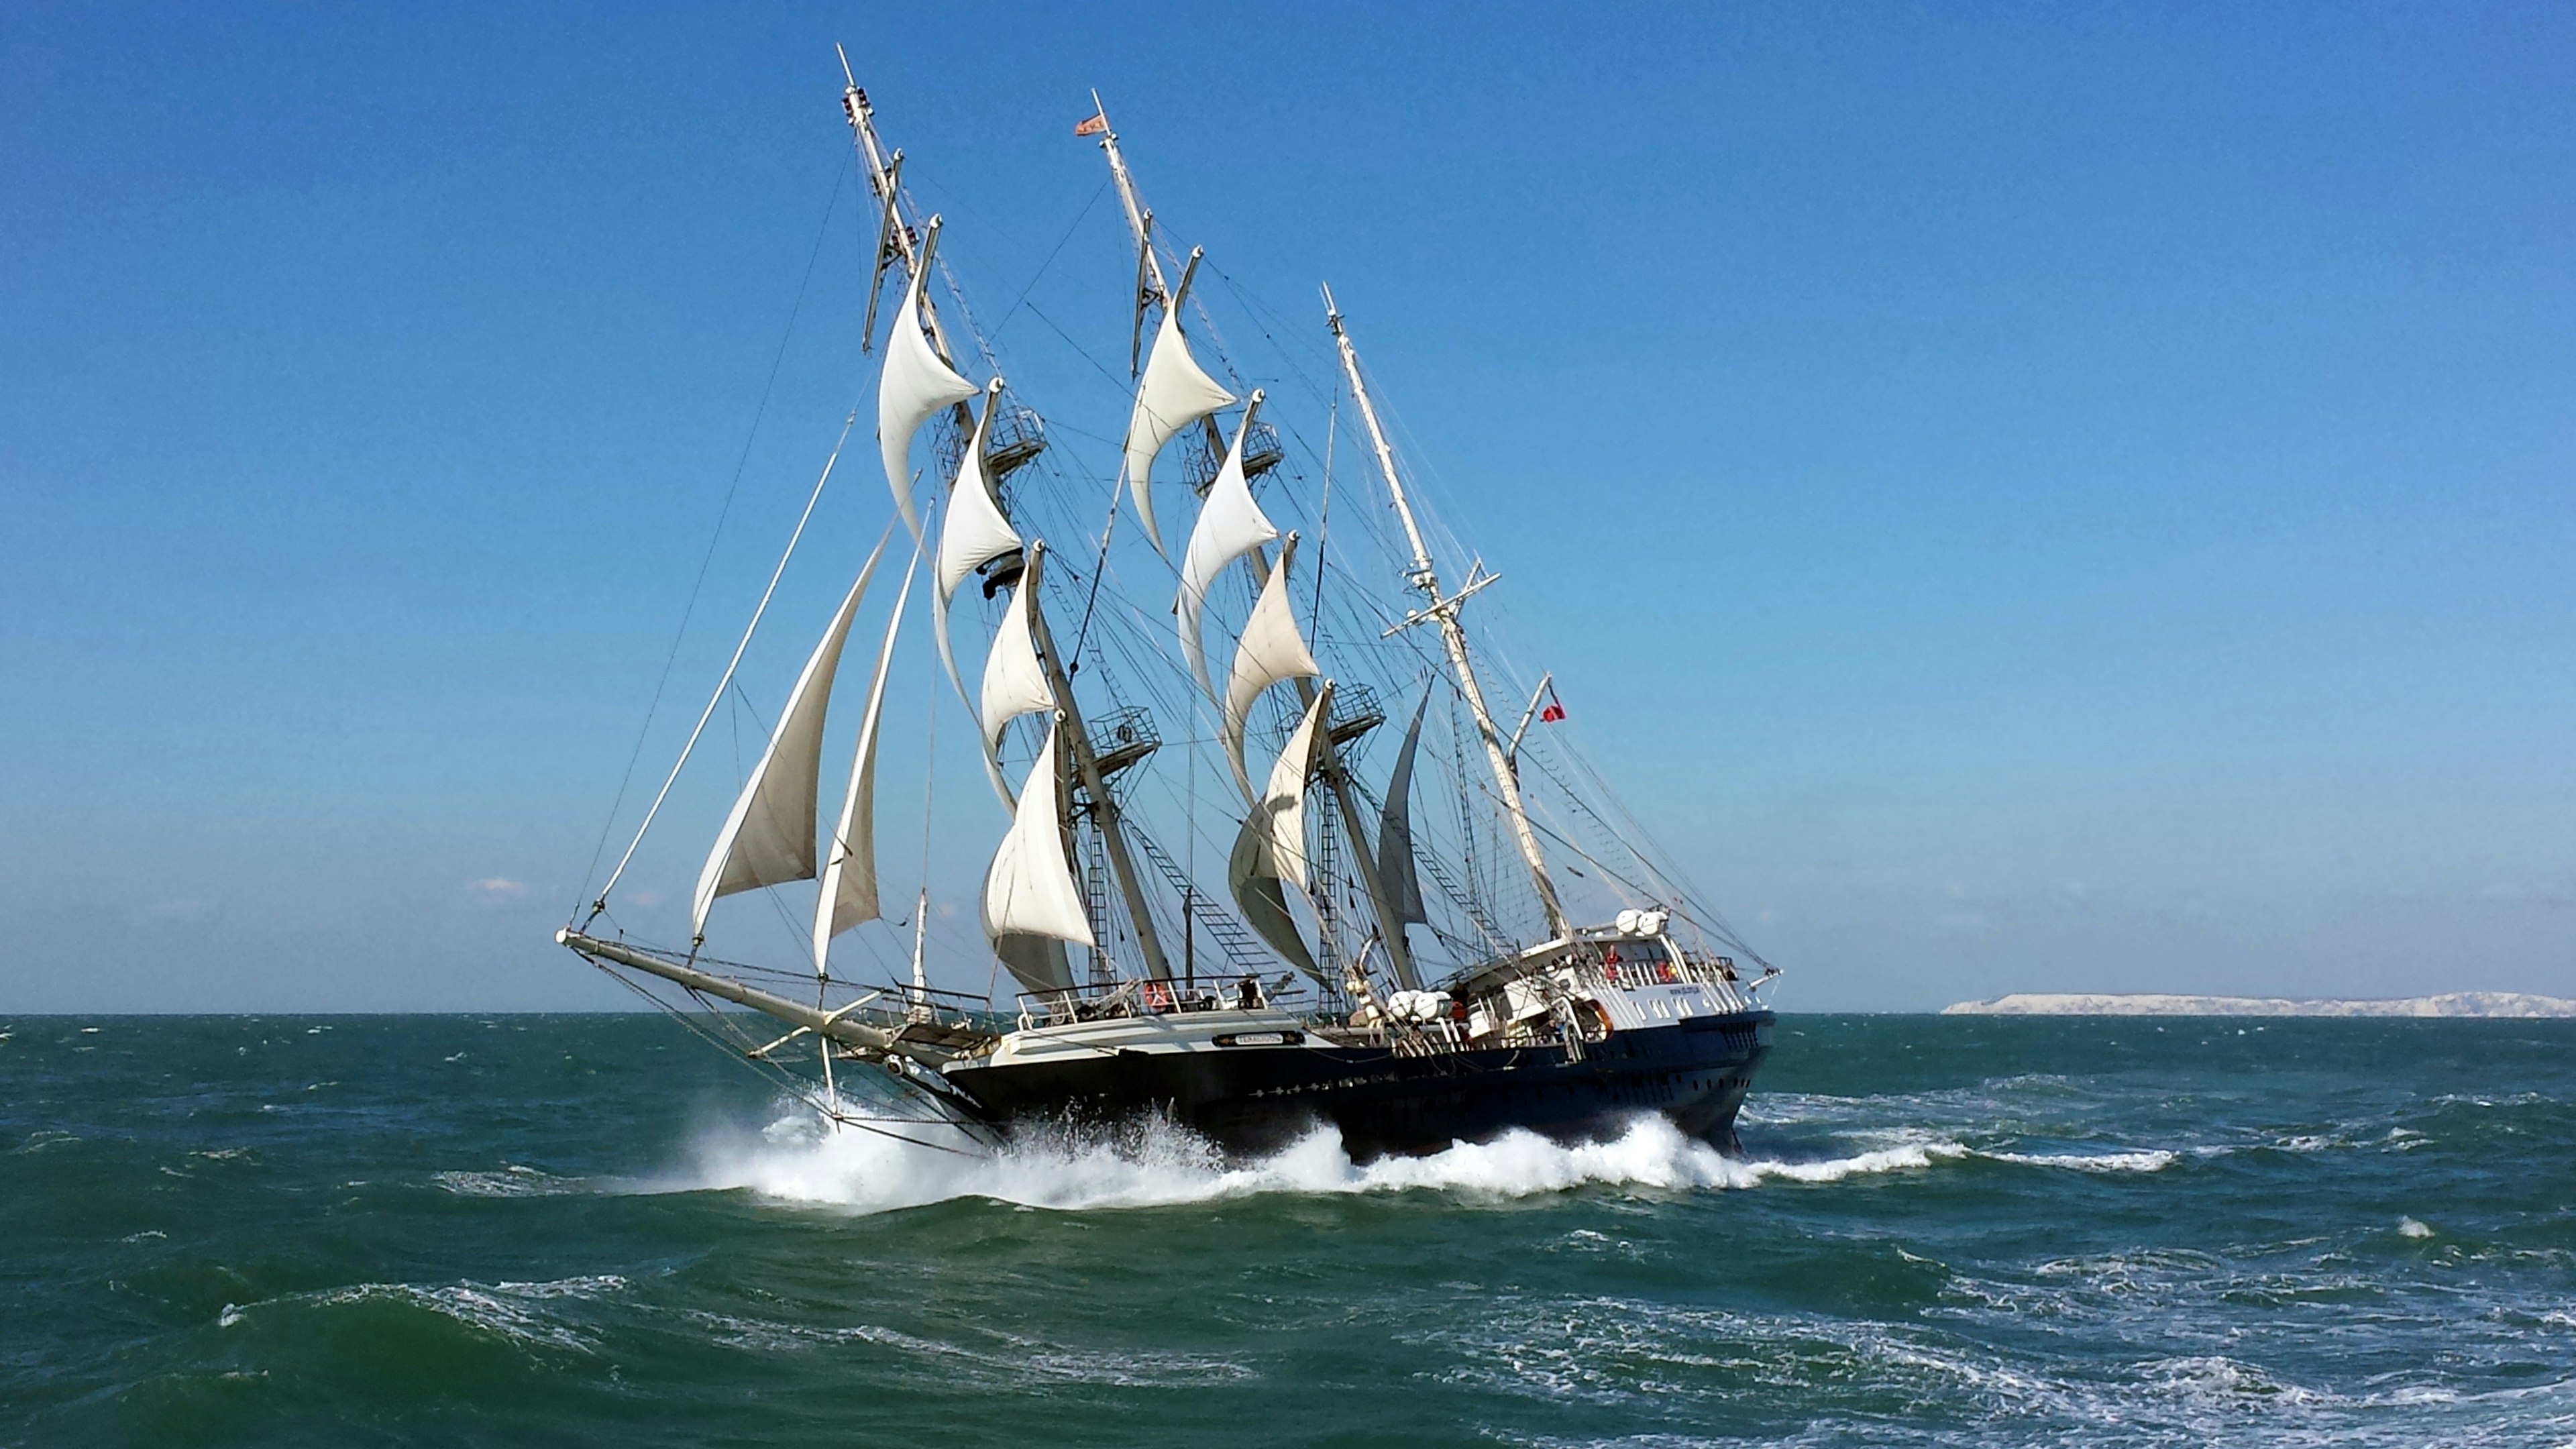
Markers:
point(1453, 634)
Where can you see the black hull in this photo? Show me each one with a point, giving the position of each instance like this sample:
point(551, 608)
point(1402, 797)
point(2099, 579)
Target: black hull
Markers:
point(1251, 1100)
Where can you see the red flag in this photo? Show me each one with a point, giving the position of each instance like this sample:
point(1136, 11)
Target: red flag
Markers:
point(1555, 709)
point(1092, 127)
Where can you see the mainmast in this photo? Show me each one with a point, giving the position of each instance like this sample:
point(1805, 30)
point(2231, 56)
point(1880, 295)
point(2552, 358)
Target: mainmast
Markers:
point(1150, 289)
point(1371, 872)
point(1453, 634)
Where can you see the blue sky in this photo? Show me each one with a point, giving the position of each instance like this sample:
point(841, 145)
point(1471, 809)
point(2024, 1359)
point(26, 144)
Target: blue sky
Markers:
point(2022, 497)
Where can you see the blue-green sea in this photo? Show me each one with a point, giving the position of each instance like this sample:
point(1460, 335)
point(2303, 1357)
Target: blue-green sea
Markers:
point(579, 1230)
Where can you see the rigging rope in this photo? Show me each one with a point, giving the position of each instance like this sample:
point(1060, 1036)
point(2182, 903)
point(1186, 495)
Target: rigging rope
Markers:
point(1040, 274)
point(731, 665)
point(840, 177)
point(736, 1044)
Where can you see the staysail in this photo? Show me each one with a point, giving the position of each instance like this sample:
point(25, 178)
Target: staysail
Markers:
point(849, 894)
point(769, 838)
point(1271, 847)
point(1271, 650)
point(912, 387)
point(1015, 680)
point(1029, 890)
point(1229, 526)
point(1175, 393)
point(1395, 830)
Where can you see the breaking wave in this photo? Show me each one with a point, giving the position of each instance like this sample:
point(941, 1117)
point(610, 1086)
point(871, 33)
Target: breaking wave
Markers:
point(798, 1159)
point(517, 1311)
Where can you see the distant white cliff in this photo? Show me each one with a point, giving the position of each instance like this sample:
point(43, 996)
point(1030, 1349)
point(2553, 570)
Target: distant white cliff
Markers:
point(2456, 1003)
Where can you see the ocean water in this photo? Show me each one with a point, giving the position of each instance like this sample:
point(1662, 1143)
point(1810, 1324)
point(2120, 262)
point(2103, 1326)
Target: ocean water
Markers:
point(594, 1230)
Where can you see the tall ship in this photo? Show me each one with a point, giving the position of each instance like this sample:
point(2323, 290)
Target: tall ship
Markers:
point(1277, 839)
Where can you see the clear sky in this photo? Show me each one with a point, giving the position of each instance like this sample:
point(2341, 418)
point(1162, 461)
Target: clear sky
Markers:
point(2022, 497)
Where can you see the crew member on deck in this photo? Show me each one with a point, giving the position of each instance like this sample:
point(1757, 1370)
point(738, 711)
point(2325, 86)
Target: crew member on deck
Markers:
point(1247, 994)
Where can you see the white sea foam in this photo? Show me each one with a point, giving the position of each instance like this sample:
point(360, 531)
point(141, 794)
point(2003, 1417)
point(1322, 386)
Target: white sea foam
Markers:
point(2154, 1159)
point(512, 1181)
point(511, 1310)
point(797, 1160)
point(991, 1355)
point(2410, 1228)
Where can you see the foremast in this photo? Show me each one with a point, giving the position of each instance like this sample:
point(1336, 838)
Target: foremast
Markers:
point(895, 239)
point(1094, 780)
point(896, 242)
point(1442, 609)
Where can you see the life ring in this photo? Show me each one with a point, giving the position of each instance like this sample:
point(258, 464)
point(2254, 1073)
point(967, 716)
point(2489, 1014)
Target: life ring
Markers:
point(1600, 1018)
point(1158, 995)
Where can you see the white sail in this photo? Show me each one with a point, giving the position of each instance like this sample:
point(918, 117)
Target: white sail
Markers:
point(912, 387)
point(1229, 526)
point(769, 838)
point(1029, 890)
point(1283, 804)
point(1271, 846)
point(1175, 393)
point(1395, 860)
point(975, 532)
point(1271, 650)
point(972, 534)
point(849, 894)
point(1036, 962)
point(1015, 681)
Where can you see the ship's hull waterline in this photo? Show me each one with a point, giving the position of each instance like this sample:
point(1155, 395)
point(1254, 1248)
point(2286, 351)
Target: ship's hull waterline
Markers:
point(1253, 1099)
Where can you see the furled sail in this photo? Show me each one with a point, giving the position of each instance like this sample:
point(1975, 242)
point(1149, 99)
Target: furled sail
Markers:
point(1229, 526)
point(913, 386)
point(769, 838)
point(1015, 680)
point(1175, 393)
point(1271, 650)
point(1395, 831)
point(1271, 847)
point(1029, 890)
point(849, 894)
point(973, 533)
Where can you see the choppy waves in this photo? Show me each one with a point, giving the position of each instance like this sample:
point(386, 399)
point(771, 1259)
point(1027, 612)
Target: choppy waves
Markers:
point(1942, 1233)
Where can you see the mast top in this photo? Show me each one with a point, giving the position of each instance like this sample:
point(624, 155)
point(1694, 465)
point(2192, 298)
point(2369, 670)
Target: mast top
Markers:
point(1453, 634)
point(1423, 576)
point(1139, 220)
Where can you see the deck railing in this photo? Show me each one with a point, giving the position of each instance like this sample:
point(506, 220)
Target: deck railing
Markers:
point(1109, 1000)
point(1659, 968)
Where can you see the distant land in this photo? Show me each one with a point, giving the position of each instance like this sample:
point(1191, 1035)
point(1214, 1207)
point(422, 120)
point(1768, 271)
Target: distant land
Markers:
point(2455, 1003)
